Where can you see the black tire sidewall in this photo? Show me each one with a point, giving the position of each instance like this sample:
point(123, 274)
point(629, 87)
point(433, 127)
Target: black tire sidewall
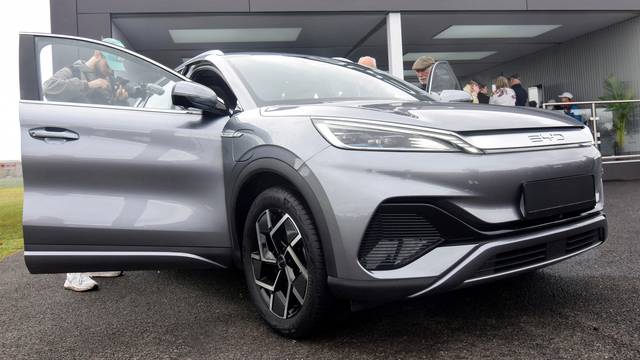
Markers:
point(316, 297)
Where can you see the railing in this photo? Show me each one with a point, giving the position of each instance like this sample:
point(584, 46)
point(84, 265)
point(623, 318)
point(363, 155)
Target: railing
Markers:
point(602, 122)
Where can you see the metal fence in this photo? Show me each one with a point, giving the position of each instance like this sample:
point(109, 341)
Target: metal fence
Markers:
point(616, 143)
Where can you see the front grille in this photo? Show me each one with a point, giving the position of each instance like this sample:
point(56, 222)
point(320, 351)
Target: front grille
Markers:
point(395, 237)
point(536, 254)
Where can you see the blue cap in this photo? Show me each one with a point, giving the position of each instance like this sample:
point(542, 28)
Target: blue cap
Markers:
point(115, 62)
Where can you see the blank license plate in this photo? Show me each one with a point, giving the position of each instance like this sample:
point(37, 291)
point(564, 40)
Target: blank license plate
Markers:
point(557, 196)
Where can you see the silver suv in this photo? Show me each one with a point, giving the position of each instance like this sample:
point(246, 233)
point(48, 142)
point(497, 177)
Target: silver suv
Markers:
point(320, 178)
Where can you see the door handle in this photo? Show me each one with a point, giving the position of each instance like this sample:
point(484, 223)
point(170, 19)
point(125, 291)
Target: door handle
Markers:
point(53, 133)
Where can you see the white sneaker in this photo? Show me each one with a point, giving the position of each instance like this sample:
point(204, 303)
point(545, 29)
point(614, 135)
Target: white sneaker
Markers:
point(105, 273)
point(79, 282)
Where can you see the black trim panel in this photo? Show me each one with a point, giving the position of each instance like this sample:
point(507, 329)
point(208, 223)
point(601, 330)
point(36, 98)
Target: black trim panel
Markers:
point(29, 86)
point(377, 290)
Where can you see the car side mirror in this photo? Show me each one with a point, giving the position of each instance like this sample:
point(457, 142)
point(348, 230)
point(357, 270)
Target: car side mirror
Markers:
point(455, 96)
point(193, 95)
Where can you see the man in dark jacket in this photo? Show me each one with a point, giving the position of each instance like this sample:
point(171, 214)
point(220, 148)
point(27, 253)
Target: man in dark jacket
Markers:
point(521, 94)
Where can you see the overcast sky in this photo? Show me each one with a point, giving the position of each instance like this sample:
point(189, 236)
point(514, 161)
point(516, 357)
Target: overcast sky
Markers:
point(23, 15)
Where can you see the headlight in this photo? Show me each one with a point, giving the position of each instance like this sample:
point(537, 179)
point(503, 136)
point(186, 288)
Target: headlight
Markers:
point(374, 135)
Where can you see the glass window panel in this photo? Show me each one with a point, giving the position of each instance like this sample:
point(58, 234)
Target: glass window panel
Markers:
point(84, 72)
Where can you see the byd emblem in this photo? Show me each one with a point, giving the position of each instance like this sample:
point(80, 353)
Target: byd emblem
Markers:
point(546, 138)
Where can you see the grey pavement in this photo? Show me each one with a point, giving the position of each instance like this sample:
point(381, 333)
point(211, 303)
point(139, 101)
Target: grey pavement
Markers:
point(587, 307)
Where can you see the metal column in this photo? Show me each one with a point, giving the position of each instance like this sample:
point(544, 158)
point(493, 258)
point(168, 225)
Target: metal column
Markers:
point(394, 44)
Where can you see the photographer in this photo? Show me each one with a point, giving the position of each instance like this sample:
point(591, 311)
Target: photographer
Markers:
point(90, 81)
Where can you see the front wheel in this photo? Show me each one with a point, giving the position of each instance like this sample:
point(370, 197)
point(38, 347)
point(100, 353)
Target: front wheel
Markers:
point(284, 264)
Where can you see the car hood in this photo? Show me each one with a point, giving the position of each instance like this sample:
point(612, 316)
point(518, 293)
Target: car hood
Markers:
point(458, 117)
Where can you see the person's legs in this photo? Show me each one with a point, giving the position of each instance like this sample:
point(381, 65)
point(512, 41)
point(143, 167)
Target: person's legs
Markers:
point(79, 282)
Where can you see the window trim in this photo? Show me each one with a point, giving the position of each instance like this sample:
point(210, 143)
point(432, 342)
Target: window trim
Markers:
point(111, 107)
point(28, 67)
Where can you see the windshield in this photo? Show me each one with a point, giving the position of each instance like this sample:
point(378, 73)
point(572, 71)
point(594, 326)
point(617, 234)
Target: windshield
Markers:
point(277, 79)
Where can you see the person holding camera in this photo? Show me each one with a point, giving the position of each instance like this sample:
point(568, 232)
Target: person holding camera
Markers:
point(90, 82)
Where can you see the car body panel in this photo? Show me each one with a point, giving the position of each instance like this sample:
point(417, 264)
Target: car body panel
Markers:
point(133, 178)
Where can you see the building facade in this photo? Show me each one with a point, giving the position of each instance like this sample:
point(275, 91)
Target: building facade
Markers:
point(561, 45)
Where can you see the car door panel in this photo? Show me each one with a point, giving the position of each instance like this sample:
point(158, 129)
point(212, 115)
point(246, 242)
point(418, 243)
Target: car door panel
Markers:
point(143, 186)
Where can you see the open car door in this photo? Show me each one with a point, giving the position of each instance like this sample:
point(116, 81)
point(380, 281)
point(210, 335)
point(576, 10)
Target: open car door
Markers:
point(116, 176)
point(444, 84)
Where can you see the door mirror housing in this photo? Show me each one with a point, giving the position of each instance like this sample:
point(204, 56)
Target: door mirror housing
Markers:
point(193, 95)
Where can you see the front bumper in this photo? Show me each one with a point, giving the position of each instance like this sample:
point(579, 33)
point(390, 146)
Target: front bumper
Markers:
point(472, 263)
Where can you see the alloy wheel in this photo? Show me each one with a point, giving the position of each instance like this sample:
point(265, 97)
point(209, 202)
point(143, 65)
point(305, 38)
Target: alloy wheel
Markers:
point(279, 262)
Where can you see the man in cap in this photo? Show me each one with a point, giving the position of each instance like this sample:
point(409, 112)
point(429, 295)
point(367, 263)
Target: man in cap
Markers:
point(521, 94)
point(422, 67)
point(90, 81)
point(368, 61)
point(565, 98)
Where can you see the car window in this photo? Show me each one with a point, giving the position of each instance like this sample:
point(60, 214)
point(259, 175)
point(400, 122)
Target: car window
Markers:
point(443, 78)
point(277, 79)
point(84, 72)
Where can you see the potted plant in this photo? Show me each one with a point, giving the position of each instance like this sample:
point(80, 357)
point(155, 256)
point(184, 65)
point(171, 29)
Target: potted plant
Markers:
point(614, 89)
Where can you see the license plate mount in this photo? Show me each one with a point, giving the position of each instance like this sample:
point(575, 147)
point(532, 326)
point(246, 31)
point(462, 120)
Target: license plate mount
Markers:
point(558, 196)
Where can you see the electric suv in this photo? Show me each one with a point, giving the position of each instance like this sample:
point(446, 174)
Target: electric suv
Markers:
point(320, 178)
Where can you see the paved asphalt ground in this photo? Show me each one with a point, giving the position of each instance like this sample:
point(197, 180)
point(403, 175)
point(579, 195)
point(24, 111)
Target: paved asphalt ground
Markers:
point(587, 307)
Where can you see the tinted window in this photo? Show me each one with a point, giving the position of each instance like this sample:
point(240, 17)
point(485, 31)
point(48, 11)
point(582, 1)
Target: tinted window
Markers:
point(276, 79)
point(84, 72)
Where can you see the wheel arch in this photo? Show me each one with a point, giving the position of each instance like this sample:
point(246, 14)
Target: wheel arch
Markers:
point(262, 173)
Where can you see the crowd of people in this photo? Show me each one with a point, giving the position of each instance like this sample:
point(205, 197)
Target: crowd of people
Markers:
point(507, 91)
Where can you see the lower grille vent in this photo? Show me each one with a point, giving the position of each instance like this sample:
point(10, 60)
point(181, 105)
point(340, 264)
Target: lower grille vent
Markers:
point(582, 241)
point(394, 239)
point(521, 258)
point(515, 259)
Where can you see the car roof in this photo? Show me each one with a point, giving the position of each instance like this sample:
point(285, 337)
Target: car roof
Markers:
point(207, 54)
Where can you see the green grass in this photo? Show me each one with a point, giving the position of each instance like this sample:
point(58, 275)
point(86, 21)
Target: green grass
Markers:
point(10, 183)
point(10, 216)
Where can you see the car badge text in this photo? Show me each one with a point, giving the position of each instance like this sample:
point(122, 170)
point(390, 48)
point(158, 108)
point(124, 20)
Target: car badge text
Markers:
point(546, 137)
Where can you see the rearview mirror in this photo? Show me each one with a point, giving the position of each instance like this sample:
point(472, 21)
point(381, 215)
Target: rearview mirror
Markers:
point(193, 95)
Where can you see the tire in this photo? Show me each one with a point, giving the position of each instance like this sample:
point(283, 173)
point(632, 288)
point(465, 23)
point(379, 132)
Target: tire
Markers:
point(284, 265)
